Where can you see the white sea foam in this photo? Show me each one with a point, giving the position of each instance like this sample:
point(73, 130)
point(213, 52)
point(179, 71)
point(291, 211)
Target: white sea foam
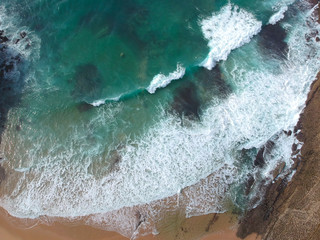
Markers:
point(229, 29)
point(170, 158)
point(100, 102)
point(97, 103)
point(161, 80)
point(278, 15)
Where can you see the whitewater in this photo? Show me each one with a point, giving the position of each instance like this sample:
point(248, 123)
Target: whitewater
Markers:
point(89, 163)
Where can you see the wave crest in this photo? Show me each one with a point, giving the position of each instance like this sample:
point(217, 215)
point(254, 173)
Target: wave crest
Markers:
point(161, 80)
point(229, 29)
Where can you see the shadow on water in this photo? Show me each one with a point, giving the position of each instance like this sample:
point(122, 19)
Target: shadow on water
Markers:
point(11, 81)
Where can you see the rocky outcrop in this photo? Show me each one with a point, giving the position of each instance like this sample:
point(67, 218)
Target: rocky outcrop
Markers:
point(291, 210)
point(11, 81)
point(9, 86)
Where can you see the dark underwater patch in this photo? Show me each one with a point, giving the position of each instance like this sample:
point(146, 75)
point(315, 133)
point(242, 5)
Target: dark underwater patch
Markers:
point(84, 107)
point(272, 40)
point(213, 81)
point(197, 89)
point(87, 82)
point(186, 101)
point(126, 20)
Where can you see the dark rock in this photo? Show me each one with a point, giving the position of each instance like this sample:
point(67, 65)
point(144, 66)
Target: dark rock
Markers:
point(9, 67)
point(3, 39)
point(2, 174)
point(255, 220)
point(291, 211)
point(212, 221)
point(296, 162)
point(312, 35)
point(263, 151)
point(278, 170)
point(269, 146)
point(288, 133)
point(249, 184)
point(294, 147)
point(259, 161)
point(297, 127)
point(18, 128)
point(17, 59)
point(140, 219)
point(23, 34)
point(300, 137)
point(10, 84)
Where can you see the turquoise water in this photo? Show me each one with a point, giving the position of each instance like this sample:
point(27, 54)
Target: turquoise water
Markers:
point(124, 103)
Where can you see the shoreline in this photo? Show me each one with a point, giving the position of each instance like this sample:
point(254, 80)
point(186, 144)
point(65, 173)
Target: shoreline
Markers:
point(290, 209)
point(206, 227)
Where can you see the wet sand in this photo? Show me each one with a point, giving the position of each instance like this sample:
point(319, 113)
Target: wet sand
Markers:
point(207, 227)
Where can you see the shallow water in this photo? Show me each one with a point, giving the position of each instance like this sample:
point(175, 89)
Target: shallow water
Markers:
point(123, 104)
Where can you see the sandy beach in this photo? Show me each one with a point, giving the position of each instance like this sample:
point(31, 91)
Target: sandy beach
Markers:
point(207, 227)
point(283, 202)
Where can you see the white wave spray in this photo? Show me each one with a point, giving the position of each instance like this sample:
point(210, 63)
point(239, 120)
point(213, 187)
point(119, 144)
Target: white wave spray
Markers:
point(196, 162)
point(229, 29)
point(161, 80)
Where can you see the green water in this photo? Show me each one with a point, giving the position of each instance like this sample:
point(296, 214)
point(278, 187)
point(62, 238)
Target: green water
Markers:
point(91, 51)
point(137, 147)
point(101, 50)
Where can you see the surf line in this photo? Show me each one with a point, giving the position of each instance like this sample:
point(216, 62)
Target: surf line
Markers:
point(159, 81)
point(121, 97)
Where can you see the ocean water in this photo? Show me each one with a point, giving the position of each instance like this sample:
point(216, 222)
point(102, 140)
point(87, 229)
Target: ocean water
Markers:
point(122, 111)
